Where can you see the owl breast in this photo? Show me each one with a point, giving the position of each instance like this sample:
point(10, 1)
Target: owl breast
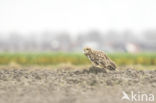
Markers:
point(94, 59)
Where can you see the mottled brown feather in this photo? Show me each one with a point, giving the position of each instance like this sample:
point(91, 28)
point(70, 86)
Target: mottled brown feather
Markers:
point(99, 59)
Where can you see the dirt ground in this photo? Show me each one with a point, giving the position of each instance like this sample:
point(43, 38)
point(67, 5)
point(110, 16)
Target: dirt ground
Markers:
point(93, 85)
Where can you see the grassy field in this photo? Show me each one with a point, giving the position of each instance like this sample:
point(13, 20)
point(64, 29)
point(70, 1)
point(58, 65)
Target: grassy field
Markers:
point(74, 58)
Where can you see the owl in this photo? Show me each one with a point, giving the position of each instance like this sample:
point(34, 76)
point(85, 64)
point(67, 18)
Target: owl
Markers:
point(99, 59)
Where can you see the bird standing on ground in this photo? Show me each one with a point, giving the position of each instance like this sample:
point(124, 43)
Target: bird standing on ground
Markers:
point(99, 59)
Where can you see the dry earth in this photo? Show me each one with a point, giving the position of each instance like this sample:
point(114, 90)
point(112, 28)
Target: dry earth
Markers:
point(93, 85)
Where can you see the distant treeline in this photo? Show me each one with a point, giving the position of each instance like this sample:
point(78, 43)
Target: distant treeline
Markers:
point(111, 41)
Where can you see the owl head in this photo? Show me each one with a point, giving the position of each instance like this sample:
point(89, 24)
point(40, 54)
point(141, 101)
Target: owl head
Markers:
point(87, 50)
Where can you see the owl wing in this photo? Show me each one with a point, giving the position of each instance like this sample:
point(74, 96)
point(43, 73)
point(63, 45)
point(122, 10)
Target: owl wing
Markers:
point(108, 62)
point(101, 58)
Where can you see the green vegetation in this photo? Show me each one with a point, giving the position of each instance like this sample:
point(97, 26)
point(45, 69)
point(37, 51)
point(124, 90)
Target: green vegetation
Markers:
point(73, 58)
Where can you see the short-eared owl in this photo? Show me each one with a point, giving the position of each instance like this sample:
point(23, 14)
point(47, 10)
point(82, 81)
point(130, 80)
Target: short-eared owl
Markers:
point(99, 59)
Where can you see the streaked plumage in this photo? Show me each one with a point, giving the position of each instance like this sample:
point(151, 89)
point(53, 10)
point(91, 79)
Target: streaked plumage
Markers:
point(99, 59)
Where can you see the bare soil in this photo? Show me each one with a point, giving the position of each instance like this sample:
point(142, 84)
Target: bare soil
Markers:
point(92, 85)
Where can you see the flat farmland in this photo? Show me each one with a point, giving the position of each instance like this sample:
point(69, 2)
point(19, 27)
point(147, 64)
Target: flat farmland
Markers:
point(74, 84)
point(70, 78)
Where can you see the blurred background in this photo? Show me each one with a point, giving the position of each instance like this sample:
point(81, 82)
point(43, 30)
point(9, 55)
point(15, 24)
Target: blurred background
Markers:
point(127, 26)
point(69, 25)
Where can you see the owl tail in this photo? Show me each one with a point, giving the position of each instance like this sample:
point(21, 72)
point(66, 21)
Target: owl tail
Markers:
point(112, 66)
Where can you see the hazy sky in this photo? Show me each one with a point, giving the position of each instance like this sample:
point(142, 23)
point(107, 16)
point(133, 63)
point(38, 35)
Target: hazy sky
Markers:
point(76, 15)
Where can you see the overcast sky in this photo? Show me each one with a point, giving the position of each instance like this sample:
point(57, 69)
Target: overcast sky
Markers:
point(76, 15)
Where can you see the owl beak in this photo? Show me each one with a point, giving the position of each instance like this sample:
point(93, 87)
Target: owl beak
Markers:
point(84, 51)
